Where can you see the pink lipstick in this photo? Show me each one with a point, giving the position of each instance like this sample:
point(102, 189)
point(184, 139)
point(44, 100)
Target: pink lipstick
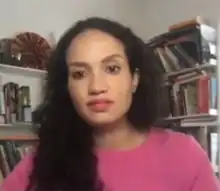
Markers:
point(99, 105)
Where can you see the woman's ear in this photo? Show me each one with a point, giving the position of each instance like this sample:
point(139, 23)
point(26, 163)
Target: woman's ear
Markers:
point(136, 77)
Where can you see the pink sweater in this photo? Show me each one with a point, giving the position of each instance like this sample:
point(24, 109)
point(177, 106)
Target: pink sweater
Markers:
point(167, 161)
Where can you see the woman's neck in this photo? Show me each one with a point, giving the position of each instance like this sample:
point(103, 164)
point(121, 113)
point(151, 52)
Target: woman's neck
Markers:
point(122, 136)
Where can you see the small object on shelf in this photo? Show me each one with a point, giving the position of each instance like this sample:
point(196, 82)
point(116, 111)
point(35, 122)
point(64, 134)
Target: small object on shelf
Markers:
point(33, 50)
point(11, 99)
point(2, 119)
point(24, 104)
point(27, 113)
point(5, 50)
point(198, 20)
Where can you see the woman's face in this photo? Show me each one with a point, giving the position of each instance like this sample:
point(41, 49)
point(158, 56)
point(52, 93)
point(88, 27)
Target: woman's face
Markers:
point(99, 79)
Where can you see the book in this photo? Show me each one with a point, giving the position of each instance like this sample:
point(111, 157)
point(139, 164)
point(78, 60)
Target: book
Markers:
point(198, 20)
point(191, 95)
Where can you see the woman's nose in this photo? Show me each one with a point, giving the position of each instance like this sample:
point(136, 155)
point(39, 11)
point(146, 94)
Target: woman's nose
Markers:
point(98, 85)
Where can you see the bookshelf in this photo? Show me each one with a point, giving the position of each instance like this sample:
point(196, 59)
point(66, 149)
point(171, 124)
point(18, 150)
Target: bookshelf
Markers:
point(32, 78)
point(190, 62)
point(21, 91)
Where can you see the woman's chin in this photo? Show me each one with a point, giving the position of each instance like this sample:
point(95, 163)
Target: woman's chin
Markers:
point(101, 121)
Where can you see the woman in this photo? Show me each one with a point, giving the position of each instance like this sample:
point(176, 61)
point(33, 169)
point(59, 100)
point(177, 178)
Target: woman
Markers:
point(96, 129)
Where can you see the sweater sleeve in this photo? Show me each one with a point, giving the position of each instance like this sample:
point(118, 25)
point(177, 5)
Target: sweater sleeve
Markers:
point(18, 178)
point(205, 179)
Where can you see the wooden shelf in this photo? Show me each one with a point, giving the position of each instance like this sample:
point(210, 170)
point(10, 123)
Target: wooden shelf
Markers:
point(212, 114)
point(189, 70)
point(18, 131)
point(22, 71)
point(195, 120)
point(198, 123)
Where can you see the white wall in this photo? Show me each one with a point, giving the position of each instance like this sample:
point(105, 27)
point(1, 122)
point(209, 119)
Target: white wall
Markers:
point(159, 14)
point(45, 16)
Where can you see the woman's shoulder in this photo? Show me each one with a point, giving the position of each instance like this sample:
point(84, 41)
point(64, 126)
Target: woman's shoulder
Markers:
point(180, 146)
point(182, 155)
point(175, 140)
point(18, 179)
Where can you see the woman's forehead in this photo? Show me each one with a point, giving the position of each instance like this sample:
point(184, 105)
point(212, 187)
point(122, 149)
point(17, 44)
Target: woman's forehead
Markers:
point(94, 45)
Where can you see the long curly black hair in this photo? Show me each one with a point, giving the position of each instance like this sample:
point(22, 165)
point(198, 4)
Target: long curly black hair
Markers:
point(64, 158)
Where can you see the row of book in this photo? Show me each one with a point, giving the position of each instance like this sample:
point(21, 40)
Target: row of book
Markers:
point(194, 95)
point(15, 103)
point(11, 152)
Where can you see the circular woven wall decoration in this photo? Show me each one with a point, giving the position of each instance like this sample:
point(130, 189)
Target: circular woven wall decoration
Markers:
point(32, 49)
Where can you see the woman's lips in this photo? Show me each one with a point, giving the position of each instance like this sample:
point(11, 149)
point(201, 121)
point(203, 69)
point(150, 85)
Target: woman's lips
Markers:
point(100, 105)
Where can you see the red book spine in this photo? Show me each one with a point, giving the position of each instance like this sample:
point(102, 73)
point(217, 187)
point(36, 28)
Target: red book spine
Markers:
point(203, 92)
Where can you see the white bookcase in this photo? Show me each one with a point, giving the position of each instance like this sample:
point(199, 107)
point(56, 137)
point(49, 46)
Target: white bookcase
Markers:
point(33, 78)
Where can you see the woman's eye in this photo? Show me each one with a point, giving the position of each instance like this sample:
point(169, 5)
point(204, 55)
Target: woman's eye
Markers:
point(113, 69)
point(78, 75)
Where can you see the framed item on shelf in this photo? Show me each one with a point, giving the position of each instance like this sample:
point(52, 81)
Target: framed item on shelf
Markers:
point(32, 49)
